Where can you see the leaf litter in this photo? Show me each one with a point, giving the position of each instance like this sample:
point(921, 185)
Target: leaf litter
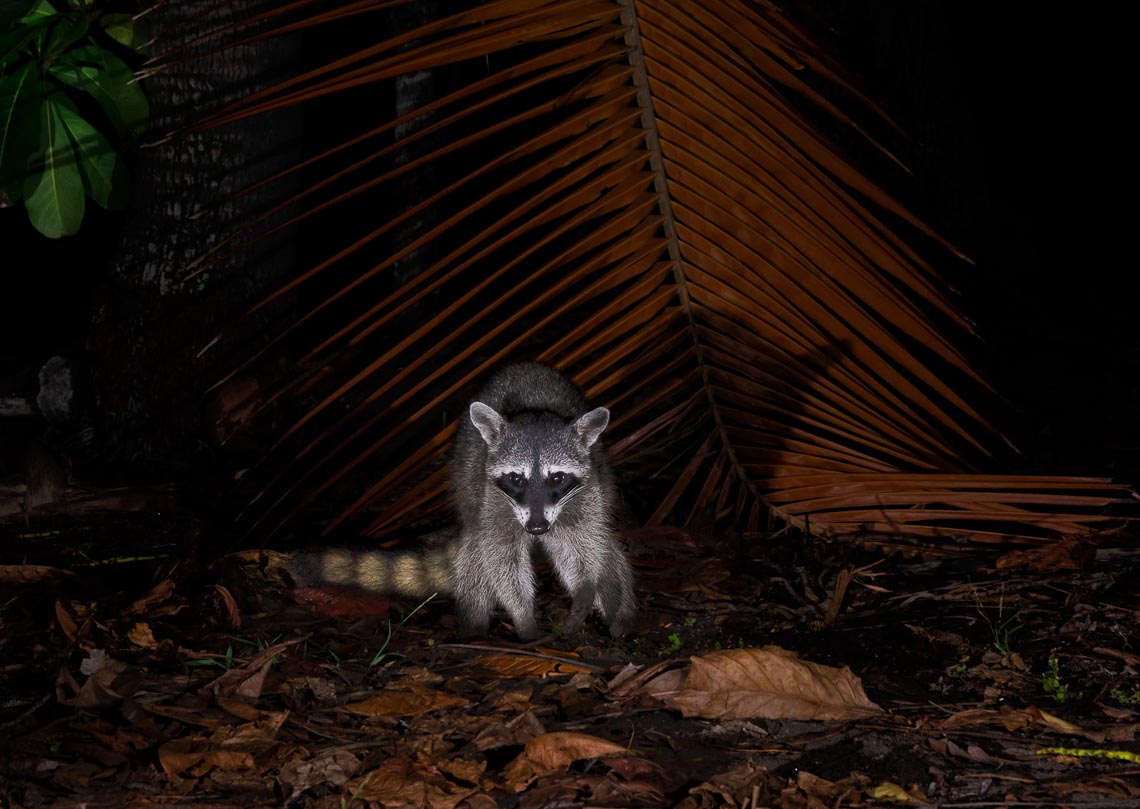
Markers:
point(769, 673)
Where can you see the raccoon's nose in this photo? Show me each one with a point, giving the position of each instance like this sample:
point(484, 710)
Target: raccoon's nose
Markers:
point(536, 527)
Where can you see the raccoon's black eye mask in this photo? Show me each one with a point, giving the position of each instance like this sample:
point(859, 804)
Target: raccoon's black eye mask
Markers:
point(560, 484)
point(512, 484)
point(557, 485)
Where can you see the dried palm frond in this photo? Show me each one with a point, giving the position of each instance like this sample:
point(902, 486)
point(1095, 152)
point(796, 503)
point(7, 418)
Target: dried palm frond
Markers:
point(635, 192)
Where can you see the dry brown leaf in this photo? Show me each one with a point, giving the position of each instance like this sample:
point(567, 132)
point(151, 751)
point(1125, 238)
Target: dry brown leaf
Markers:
point(554, 752)
point(410, 702)
point(514, 666)
point(770, 683)
point(636, 768)
point(1013, 719)
point(464, 769)
point(247, 681)
point(826, 792)
point(66, 621)
point(31, 574)
point(519, 730)
point(97, 691)
point(1131, 658)
point(252, 736)
point(1122, 733)
point(400, 782)
point(141, 635)
point(1059, 725)
point(239, 708)
point(1102, 785)
point(1010, 720)
point(337, 601)
point(156, 596)
point(323, 689)
point(731, 788)
point(738, 236)
point(1070, 553)
point(195, 756)
point(666, 685)
point(233, 611)
point(959, 644)
point(333, 767)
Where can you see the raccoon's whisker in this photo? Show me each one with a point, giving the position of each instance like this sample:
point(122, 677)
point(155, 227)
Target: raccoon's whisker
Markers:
point(577, 490)
point(509, 499)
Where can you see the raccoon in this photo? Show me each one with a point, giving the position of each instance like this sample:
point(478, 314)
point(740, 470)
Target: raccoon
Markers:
point(528, 473)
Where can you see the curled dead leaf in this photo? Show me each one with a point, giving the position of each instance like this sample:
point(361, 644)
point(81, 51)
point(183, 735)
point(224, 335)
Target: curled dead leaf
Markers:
point(333, 767)
point(519, 666)
point(554, 752)
point(195, 757)
point(770, 683)
point(401, 782)
point(31, 574)
point(141, 635)
point(409, 702)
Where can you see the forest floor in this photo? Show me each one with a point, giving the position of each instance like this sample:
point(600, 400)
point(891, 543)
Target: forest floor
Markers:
point(779, 673)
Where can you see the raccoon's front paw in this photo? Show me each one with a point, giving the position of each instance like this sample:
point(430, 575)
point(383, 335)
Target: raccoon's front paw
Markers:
point(580, 607)
point(623, 625)
point(527, 630)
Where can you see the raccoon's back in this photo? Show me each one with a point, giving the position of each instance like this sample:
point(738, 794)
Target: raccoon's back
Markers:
point(525, 387)
point(416, 574)
point(530, 387)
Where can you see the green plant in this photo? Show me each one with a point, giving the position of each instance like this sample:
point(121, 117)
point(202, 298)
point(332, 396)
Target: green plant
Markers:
point(1124, 697)
point(65, 98)
point(673, 647)
point(225, 663)
point(381, 654)
point(1051, 682)
point(1003, 629)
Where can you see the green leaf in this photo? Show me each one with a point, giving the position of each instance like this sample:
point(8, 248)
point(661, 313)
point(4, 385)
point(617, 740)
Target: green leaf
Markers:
point(66, 32)
point(54, 192)
point(19, 127)
point(109, 80)
point(103, 172)
point(99, 165)
point(40, 12)
point(19, 26)
point(125, 29)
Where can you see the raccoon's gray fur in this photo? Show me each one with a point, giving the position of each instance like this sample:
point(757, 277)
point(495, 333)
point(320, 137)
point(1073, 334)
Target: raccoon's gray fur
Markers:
point(528, 471)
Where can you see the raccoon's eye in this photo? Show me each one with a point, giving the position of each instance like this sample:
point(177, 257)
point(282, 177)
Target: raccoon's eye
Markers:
point(515, 479)
point(557, 479)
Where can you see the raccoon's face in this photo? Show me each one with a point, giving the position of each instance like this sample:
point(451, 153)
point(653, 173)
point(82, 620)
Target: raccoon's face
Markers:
point(538, 465)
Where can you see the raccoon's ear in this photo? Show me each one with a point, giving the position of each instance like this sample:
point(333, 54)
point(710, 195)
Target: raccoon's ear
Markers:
point(489, 423)
point(590, 426)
